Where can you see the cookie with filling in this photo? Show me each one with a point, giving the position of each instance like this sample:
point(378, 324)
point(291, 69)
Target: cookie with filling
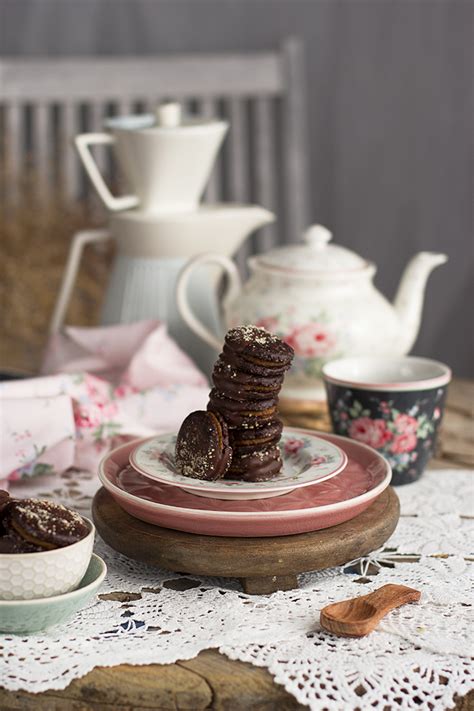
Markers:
point(14, 544)
point(260, 465)
point(45, 524)
point(250, 413)
point(4, 501)
point(202, 446)
point(244, 440)
point(238, 385)
point(255, 350)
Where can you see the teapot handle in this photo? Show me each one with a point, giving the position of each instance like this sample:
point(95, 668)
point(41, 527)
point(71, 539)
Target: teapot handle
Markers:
point(232, 290)
point(83, 141)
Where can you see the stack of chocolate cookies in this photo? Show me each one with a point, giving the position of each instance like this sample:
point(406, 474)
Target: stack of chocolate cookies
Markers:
point(247, 380)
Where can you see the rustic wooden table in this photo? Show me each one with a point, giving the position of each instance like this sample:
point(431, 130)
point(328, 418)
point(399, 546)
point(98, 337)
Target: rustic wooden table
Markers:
point(211, 681)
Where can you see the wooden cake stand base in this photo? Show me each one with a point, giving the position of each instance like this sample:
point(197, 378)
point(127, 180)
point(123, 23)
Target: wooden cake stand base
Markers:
point(263, 565)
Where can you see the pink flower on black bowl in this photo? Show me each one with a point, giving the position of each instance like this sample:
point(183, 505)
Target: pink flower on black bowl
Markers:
point(393, 405)
point(369, 431)
point(403, 443)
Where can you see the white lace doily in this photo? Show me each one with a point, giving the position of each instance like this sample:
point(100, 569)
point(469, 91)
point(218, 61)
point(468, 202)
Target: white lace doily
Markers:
point(419, 657)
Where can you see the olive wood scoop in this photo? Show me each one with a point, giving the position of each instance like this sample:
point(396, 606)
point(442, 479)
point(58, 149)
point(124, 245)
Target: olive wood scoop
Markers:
point(360, 615)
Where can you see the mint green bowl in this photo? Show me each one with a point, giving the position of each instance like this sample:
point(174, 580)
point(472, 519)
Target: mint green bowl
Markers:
point(27, 616)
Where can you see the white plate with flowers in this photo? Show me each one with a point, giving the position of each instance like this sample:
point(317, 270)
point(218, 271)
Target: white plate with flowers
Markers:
point(307, 459)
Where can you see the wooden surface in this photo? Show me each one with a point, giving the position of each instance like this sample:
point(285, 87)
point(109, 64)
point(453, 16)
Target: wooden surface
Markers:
point(211, 681)
point(360, 615)
point(263, 565)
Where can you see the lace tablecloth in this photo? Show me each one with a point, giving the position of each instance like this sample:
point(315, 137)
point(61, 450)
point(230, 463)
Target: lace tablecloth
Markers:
point(420, 654)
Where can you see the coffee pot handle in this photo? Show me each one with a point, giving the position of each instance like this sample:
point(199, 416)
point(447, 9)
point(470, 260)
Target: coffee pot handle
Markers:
point(79, 241)
point(232, 290)
point(83, 141)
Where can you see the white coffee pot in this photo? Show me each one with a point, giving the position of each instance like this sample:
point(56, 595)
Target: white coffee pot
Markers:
point(151, 251)
point(165, 160)
point(320, 298)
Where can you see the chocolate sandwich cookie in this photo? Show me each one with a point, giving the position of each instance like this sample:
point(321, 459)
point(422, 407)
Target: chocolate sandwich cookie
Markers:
point(14, 544)
point(238, 385)
point(260, 465)
point(44, 524)
point(247, 440)
point(4, 501)
point(257, 350)
point(249, 413)
point(252, 368)
point(202, 447)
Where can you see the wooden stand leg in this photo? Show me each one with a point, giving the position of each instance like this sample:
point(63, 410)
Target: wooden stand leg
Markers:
point(270, 584)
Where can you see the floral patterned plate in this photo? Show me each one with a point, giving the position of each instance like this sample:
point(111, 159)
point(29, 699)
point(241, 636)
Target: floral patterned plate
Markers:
point(307, 460)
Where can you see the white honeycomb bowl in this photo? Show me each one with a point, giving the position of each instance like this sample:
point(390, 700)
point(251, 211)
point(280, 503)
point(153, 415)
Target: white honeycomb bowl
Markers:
point(28, 576)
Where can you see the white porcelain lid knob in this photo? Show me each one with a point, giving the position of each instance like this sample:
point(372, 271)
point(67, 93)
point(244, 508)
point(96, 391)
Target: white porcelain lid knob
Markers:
point(317, 236)
point(168, 115)
point(316, 256)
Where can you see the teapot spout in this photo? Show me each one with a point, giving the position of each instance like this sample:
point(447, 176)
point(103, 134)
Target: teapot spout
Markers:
point(409, 298)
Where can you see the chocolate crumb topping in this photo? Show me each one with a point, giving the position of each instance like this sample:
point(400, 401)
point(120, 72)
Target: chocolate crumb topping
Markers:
point(257, 343)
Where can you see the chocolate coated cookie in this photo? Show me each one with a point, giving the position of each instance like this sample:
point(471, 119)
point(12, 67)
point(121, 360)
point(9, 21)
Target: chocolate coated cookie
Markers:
point(260, 465)
point(242, 386)
point(4, 501)
point(251, 365)
point(14, 544)
point(244, 440)
point(259, 346)
point(44, 524)
point(251, 413)
point(202, 447)
point(225, 369)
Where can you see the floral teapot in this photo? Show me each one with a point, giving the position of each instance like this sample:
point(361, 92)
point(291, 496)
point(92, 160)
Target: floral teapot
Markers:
point(320, 298)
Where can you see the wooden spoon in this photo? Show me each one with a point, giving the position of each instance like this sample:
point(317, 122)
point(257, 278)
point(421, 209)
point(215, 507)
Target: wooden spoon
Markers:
point(360, 615)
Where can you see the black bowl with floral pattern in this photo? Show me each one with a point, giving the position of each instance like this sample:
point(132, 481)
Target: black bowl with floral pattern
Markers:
point(394, 405)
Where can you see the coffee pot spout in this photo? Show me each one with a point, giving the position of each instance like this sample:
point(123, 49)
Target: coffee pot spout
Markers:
point(408, 302)
point(231, 225)
point(246, 219)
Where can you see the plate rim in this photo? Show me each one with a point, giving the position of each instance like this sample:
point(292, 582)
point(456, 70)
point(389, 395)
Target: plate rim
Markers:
point(241, 490)
point(362, 498)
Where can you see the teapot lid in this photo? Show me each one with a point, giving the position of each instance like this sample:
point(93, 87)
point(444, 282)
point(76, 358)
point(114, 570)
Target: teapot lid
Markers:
point(317, 255)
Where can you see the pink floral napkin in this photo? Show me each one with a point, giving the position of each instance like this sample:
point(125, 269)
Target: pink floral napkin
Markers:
point(100, 386)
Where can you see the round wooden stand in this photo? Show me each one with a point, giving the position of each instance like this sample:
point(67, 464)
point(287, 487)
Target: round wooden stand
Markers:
point(263, 565)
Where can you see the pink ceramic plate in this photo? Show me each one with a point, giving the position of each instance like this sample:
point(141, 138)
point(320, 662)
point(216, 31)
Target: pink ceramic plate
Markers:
point(311, 508)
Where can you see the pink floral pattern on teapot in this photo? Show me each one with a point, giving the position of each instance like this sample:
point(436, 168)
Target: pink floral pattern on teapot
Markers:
point(314, 343)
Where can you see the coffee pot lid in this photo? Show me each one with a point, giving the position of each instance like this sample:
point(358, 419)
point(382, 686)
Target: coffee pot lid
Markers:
point(168, 115)
point(316, 255)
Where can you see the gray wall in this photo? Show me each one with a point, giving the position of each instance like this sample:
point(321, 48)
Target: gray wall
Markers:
point(390, 115)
